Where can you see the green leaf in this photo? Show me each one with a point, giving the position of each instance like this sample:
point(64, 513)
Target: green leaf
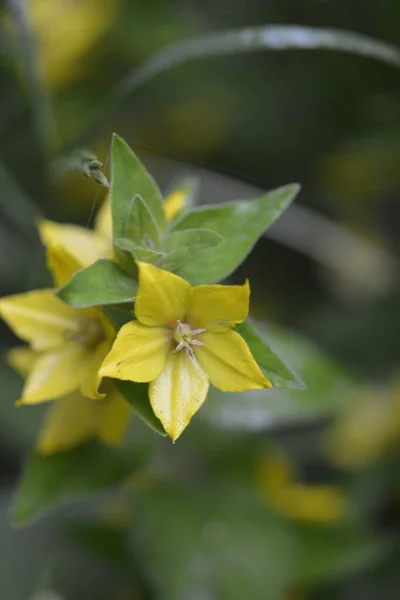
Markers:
point(240, 223)
point(274, 369)
point(118, 316)
point(139, 252)
point(184, 246)
point(102, 541)
point(195, 543)
point(329, 555)
point(140, 225)
point(49, 480)
point(102, 282)
point(129, 178)
point(138, 397)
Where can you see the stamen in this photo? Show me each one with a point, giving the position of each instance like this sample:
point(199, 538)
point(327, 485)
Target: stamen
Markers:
point(197, 331)
point(184, 337)
point(197, 343)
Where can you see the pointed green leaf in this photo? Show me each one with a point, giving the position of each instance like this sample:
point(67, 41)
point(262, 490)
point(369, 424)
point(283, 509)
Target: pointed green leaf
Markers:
point(273, 368)
point(129, 178)
point(184, 246)
point(49, 480)
point(140, 225)
point(139, 252)
point(240, 224)
point(102, 282)
point(137, 396)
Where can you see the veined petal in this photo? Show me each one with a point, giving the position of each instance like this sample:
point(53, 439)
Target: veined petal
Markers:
point(178, 392)
point(174, 203)
point(163, 297)
point(38, 317)
point(218, 307)
point(228, 362)
point(103, 221)
point(22, 359)
point(56, 373)
point(69, 421)
point(138, 353)
point(113, 417)
point(84, 245)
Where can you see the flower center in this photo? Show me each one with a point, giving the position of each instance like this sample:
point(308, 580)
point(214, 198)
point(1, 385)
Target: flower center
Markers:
point(184, 336)
point(89, 332)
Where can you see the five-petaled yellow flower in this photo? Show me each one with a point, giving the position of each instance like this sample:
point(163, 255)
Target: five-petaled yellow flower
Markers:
point(182, 340)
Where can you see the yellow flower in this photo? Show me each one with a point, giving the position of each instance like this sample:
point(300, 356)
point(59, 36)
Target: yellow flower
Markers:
point(182, 339)
point(312, 503)
point(74, 418)
point(368, 429)
point(71, 344)
point(66, 30)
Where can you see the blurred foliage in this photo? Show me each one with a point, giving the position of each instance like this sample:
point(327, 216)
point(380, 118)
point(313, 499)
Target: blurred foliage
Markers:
point(195, 524)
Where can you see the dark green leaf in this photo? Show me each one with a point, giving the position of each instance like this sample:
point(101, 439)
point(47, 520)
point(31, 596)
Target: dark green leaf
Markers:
point(240, 224)
point(128, 179)
point(137, 396)
point(118, 316)
point(328, 554)
point(103, 541)
point(49, 480)
point(186, 245)
point(272, 366)
point(102, 282)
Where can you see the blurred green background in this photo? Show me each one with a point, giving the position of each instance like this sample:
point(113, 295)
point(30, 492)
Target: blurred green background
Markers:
point(281, 495)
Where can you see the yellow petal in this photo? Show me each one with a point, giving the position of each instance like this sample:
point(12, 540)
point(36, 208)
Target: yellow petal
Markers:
point(91, 382)
point(178, 392)
point(56, 373)
point(228, 362)
point(70, 421)
point(174, 203)
point(22, 359)
point(138, 353)
point(84, 245)
point(114, 414)
point(218, 307)
point(313, 504)
point(163, 297)
point(61, 264)
point(103, 221)
point(38, 317)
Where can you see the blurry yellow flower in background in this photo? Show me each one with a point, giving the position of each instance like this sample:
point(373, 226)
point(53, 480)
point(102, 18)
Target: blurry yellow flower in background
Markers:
point(367, 430)
point(312, 503)
point(66, 31)
point(74, 418)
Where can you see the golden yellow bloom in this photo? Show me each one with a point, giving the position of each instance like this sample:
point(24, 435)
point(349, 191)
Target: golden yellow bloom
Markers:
point(313, 503)
point(182, 339)
point(367, 429)
point(66, 31)
point(74, 418)
point(71, 343)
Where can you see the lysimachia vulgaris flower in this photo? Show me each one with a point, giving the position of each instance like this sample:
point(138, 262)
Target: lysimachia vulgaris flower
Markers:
point(183, 339)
